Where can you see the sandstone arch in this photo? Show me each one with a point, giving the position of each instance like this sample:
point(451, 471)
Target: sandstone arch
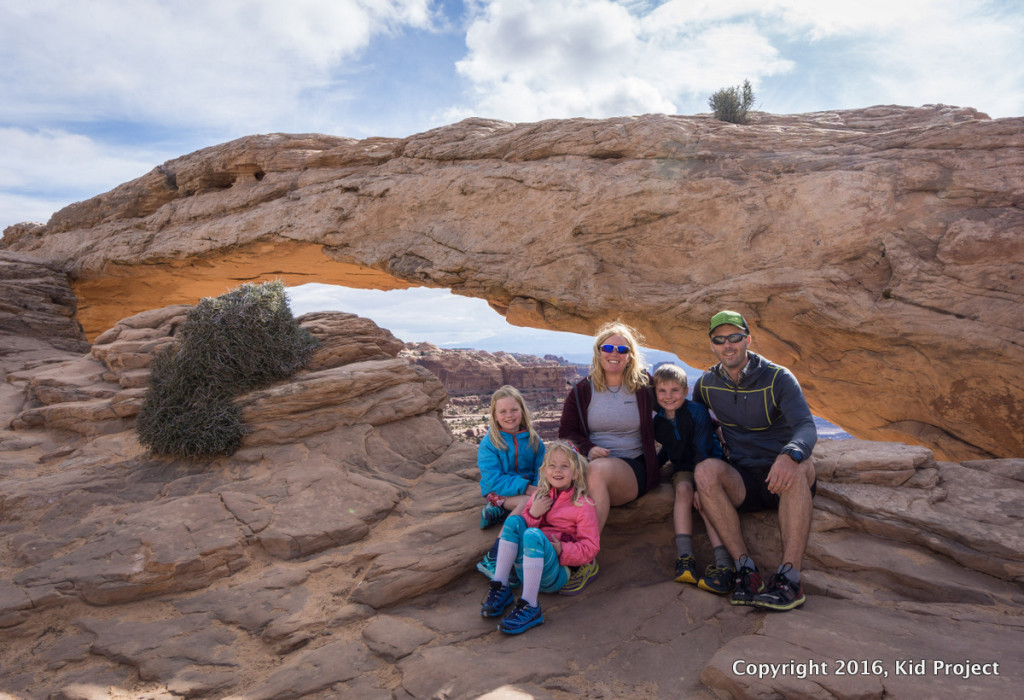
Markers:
point(877, 252)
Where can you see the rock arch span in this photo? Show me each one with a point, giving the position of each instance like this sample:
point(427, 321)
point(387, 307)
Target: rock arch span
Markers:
point(877, 252)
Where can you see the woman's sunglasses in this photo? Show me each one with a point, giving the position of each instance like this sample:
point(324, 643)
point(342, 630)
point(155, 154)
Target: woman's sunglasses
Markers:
point(732, 338)
point(621, 349)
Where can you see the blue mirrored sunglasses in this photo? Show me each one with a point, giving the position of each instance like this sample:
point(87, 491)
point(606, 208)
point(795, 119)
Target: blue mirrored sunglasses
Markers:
point(732, 338)
point(621, 349)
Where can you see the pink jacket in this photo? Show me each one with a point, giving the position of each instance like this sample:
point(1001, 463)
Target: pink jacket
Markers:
point(575, 526)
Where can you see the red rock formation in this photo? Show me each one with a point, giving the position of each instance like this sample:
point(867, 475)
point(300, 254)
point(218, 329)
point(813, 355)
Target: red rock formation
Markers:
point(877, 252)
point(333, 555)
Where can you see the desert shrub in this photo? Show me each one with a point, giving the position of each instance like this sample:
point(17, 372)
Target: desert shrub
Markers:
point(732, 104)
point(237, 342)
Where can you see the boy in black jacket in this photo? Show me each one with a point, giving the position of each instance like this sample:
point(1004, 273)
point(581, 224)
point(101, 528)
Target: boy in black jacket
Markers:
point(685, 433)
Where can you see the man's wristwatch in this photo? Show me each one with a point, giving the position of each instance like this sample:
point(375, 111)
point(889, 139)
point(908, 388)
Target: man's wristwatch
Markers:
point(795, 454)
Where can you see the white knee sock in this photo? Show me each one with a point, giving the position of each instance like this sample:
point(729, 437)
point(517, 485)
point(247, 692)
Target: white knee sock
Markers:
point(533, 570)
point(506, 558)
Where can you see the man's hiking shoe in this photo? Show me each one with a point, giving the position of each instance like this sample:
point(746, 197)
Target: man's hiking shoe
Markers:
point(717, 579)
point(781, 593)
point(580, 578)
point(492, 515)
point(686, 569)
point(498, 598)
point(748, 584)
point(523, 617)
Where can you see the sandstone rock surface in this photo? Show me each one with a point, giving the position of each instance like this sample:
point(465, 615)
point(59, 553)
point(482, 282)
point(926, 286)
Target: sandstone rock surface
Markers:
point(333, 556)
point(877, 252)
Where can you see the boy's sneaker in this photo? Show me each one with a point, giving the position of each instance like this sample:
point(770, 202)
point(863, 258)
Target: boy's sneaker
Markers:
point(686, 569)
point(717, 579)
point(580, 578)
point(781, 593)
point(523, 617)
point(492, 515)
point(748, 584)
point(498, 598)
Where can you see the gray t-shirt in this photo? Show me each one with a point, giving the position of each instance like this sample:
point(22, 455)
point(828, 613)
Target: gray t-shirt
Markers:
point(614, 422)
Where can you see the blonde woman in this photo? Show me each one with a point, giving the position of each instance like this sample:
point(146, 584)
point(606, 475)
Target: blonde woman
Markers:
point(608, 417)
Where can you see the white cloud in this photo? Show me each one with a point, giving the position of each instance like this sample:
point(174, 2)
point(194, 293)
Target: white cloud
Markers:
point(43, 170)
point(528, 61)
point(249, 63)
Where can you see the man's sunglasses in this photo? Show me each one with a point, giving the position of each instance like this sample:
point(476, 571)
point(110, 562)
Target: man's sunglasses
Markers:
point(733, 338)
point(621, 349)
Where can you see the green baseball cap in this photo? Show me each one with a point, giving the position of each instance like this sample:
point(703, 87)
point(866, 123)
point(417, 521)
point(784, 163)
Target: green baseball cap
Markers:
point(731, 318)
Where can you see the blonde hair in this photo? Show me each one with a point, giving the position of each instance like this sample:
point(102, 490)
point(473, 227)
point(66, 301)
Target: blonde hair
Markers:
point(525, 423)
point(670, 373)
point(579, 470)
point(634, 377)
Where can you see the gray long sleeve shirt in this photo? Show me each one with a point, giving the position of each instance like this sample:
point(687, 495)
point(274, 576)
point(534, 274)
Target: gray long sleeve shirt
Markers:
point(762, 416)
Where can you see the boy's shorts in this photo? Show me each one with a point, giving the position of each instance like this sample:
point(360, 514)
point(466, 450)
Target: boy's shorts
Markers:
point(758, 496)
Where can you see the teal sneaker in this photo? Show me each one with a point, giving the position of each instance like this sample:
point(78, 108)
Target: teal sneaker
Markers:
point(523, 617)
point(492, 515)
point(498, 598)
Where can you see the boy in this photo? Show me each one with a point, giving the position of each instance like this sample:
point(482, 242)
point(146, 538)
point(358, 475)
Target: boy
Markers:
point(684, 430)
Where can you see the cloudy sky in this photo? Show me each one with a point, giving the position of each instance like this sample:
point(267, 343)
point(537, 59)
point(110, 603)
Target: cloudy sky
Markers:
point(97, 93)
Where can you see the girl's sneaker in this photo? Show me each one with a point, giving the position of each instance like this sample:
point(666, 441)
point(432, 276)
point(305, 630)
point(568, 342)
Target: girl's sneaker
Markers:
point(498, 598)
point(523, 617)
point(579, 579)
point(492, 515)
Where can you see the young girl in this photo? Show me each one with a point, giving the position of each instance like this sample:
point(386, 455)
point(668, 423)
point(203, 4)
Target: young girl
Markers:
point(557, 529)
point(509, 456)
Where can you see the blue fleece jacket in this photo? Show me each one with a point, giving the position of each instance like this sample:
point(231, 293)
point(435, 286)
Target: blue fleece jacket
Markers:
point(508, 472)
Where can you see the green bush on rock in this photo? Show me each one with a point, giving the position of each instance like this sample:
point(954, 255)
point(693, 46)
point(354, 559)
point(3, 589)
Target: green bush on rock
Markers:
point(732, 104)
point(237, 342)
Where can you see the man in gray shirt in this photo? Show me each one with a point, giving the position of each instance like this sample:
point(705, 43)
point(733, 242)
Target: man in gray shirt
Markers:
point(768, 436)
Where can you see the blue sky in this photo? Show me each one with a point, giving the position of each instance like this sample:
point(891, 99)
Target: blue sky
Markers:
point(98, 93)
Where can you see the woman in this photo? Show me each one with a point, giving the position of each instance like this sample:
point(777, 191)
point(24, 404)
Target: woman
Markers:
point(608, 416)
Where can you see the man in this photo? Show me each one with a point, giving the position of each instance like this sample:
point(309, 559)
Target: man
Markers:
point(769, 434)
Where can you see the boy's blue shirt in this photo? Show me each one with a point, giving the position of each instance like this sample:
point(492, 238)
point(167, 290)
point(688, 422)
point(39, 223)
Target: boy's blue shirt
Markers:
point(703, 443)
point(508, 472)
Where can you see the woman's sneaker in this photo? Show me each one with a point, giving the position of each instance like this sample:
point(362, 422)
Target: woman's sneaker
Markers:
point(523, 617)
point(492, 515)
point(717, 579)
point(781, 593)
point(686, 569)
point(498, 598)
point(580, 578)
point(748, 584)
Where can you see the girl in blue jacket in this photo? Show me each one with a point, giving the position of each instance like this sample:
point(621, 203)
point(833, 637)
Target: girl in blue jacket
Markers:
point(509, 458)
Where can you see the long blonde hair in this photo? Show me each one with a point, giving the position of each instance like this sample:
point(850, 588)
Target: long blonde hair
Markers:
point(635, 375)
point(525, 423)
point(579, 470)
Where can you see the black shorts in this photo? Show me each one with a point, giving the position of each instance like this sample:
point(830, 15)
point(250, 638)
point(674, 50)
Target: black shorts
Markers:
point(639, 467)
point(758, 497)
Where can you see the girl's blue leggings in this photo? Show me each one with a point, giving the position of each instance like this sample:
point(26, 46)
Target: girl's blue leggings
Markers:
point(531, 542)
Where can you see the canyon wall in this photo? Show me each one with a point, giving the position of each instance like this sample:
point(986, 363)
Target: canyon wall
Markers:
point(876, 252)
